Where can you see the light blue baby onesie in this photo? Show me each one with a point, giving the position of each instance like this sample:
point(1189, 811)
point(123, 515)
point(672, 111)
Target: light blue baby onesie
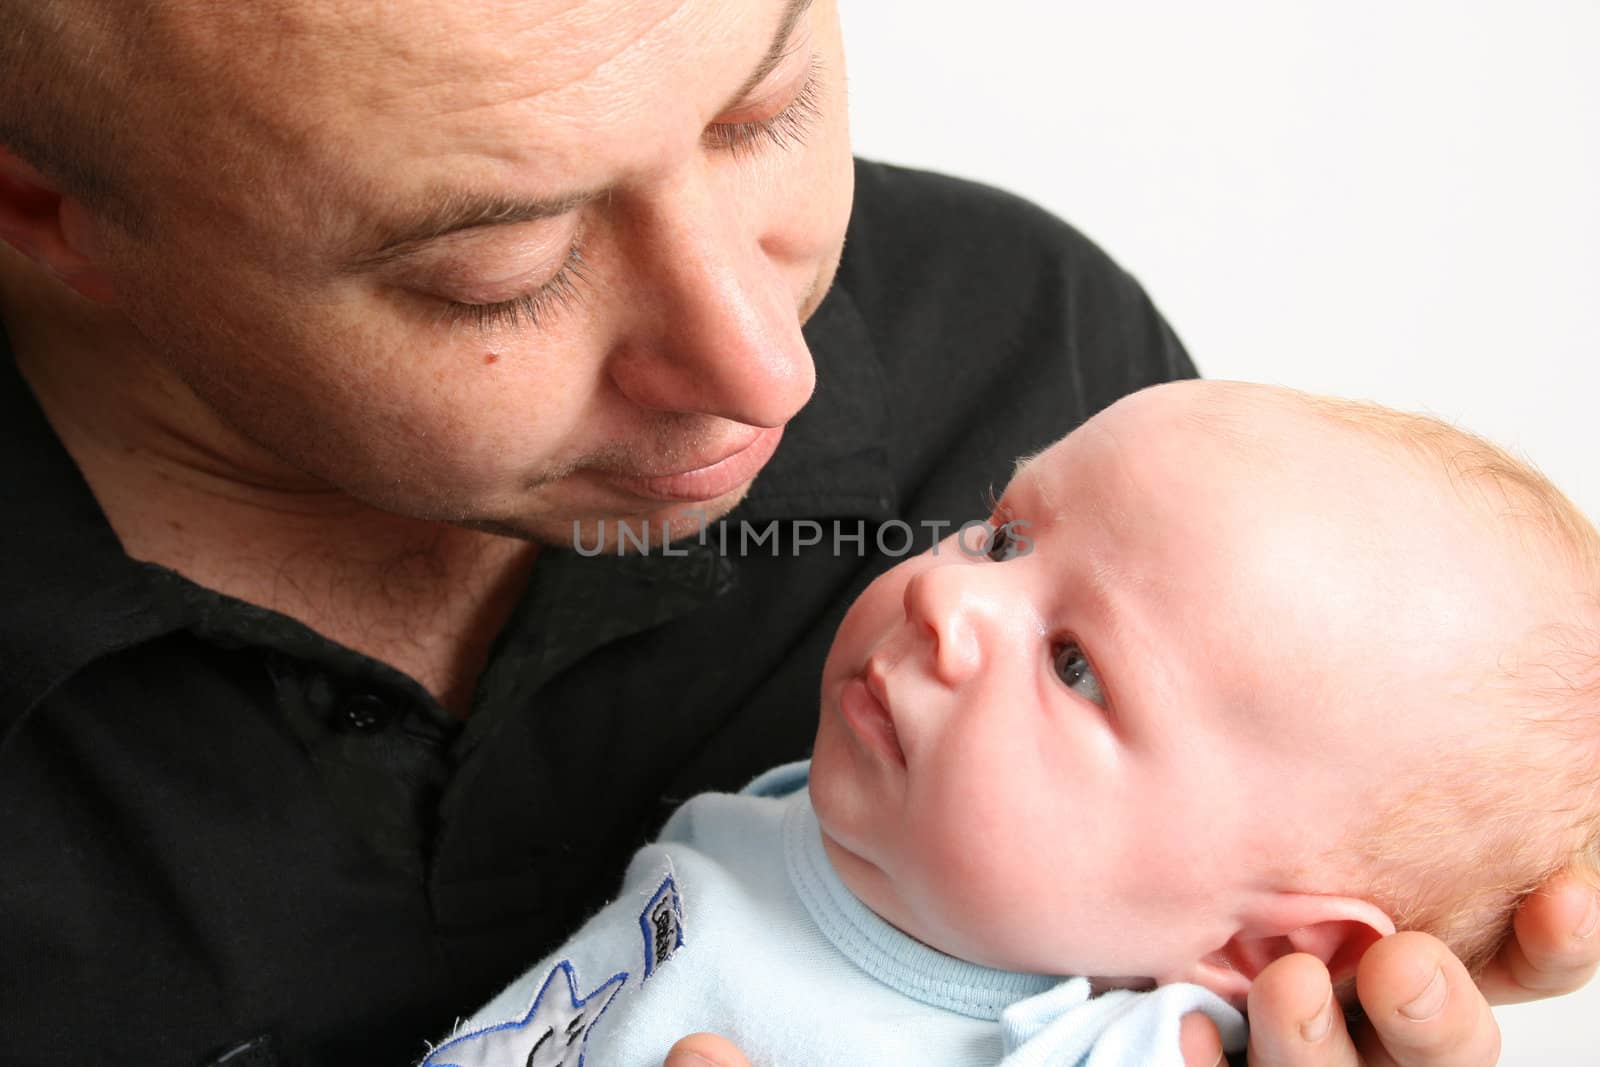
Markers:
point(734, 922)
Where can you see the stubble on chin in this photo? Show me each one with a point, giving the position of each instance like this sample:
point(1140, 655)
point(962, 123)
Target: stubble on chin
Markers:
point(618, 534)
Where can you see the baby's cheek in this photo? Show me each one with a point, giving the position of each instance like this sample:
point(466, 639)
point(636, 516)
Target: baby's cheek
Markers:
point(981, 882)
point(875, 613)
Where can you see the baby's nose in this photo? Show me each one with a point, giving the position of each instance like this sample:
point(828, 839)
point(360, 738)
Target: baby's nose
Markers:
point(950, 606)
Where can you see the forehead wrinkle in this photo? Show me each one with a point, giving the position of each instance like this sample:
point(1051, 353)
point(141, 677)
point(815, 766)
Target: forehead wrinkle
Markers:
point(628, 45)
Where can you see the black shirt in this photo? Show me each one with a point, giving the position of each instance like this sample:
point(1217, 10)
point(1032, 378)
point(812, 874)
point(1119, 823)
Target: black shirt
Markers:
point(226, 837)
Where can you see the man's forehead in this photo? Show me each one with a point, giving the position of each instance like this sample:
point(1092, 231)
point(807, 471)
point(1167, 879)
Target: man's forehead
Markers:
point(450, 209)
point(403, 47)
point(383, 104)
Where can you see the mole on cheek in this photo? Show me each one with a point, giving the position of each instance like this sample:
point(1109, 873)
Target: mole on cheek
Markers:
point(491, 357)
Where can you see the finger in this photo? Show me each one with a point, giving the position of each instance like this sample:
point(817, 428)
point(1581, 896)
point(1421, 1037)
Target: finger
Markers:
point(705, 1050)
point(1294, 1021)
point(1423, 1009)
point(1199, 1041)
point(1556, 944)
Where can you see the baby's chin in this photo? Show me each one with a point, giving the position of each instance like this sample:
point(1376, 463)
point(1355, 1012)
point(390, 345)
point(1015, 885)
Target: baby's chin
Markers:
point(879, 892)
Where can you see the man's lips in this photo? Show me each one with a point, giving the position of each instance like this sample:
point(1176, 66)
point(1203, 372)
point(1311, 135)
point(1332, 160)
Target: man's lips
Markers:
point(863, 701)
point(710, 477)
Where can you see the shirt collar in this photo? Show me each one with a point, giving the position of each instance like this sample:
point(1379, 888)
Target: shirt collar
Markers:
point(69, 594)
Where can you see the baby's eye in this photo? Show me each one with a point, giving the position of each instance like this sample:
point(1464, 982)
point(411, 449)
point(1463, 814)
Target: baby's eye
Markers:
point(1002, 545)
point(1074, 669)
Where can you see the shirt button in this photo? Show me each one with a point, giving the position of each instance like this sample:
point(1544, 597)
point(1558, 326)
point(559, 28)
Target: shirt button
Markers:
point(363, 713)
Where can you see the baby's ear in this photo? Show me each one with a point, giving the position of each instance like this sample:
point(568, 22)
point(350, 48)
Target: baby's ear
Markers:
point(1336, 930)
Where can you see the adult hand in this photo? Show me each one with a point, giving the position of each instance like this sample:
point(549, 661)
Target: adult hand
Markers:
point(705, 1050)
point(1422, 1009)
point(1198, 1038)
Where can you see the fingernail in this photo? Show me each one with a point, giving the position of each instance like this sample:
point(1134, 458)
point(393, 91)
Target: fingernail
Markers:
point(1429, 1003)
point(1591, 918)
point(1315, 1028)
point(689, 1059)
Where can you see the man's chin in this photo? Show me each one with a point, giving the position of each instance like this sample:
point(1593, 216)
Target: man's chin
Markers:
point(647, 530)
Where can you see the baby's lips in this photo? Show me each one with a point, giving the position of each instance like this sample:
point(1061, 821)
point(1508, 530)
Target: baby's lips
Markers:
point(870, 720)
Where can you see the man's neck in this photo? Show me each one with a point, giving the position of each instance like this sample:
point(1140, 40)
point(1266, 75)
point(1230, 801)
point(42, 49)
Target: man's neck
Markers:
point(184, 491)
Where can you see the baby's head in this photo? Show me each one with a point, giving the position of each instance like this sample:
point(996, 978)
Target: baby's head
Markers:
point(1243, 673)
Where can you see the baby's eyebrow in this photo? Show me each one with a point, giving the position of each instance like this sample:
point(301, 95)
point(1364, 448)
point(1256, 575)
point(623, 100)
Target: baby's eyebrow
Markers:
point(1024, 477)
point(1023, 461)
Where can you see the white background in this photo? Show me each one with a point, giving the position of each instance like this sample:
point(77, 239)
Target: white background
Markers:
point(1398, 201)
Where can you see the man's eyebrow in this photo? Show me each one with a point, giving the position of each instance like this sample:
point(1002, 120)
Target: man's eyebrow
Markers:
point(793, 12)
point(458, 210)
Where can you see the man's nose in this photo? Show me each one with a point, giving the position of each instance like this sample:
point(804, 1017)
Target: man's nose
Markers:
point(717, 329)
point(957, 612)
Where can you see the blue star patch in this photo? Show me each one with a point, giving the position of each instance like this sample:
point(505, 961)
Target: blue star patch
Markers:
point(553, 1033)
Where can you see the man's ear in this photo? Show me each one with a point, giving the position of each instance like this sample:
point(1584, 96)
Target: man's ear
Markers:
point(1336, 930)
point(50, 228)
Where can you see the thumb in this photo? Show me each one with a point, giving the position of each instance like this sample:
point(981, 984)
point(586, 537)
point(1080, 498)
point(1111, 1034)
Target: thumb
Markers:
point(1199, 1041)
point(705, 1050)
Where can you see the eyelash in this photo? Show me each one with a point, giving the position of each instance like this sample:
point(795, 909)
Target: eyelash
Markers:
point(557, 294)
point(785, 130)
point(1000, 519)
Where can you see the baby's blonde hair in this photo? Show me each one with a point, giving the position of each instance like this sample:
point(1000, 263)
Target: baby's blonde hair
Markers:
point(1495, 818)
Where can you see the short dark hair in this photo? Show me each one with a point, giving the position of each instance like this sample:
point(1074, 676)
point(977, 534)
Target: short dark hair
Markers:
point(63, 109)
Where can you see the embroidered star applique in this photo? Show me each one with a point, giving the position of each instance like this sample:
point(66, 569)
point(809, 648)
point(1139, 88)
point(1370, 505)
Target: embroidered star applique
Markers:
point(553, 1033)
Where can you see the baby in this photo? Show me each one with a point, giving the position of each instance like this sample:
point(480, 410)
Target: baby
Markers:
point(1236, 672)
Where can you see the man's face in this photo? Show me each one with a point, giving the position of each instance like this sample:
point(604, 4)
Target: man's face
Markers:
point(1096, 755)
point(504, 264)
